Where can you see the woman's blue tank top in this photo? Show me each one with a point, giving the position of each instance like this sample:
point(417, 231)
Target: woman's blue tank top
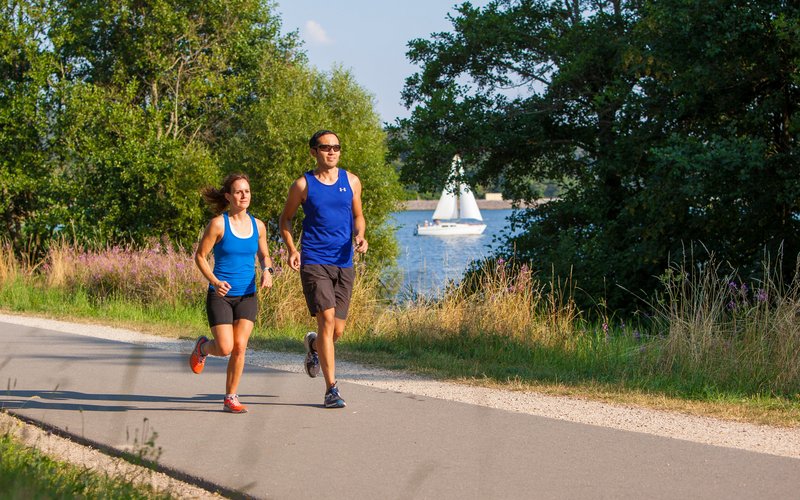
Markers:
point(328, 223)
point(234, 259)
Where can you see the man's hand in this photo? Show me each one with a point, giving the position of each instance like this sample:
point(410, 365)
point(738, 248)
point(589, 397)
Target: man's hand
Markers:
point(361, 245)
point(294, 260)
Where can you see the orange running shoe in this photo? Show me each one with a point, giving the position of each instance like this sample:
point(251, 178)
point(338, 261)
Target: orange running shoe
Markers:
point(232, 405)
point(197, 361)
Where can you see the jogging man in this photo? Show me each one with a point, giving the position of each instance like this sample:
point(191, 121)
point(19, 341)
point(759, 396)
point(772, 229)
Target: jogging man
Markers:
point(333, 226)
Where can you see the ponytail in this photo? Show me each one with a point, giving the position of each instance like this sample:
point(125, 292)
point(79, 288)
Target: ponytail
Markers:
point(215, 197)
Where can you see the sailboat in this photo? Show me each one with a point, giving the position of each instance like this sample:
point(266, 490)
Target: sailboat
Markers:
point(456, 207)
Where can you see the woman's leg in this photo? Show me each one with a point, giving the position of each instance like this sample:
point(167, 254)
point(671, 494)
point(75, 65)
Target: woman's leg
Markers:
point(222, 344)
point(240, 334)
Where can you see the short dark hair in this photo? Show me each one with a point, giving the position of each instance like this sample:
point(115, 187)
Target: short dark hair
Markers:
point(312, 143)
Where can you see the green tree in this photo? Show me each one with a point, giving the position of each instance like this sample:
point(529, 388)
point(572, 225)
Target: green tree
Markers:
point(665, 116)
point(158, 86)
point(273, 146)
point(114, 114)
point(28, 191)
point(132, 182)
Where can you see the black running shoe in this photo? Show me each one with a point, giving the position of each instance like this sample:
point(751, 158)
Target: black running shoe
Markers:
point(333, 399)
point(312, 360)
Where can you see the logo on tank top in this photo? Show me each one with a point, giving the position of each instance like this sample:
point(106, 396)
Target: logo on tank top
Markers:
point(342, 190)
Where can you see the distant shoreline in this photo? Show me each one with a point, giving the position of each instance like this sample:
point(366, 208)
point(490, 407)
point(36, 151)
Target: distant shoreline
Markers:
point(482, 204)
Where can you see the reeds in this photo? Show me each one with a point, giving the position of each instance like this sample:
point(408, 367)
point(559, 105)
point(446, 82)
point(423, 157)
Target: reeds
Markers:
point(10, 267)
point(714, 325)
point(502, 299)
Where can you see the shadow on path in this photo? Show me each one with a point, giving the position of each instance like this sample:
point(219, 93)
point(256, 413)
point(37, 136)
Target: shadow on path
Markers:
point(80, 401)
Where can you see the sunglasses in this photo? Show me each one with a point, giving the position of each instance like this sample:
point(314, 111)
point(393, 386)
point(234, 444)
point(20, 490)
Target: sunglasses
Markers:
point(329, 147)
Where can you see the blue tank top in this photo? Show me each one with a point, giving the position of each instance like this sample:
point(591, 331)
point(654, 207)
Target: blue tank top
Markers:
point(234, 259)
point(328, 223)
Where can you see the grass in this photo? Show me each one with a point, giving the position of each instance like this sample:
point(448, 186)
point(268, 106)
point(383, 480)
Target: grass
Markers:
point(710, 344)
point(27, 473)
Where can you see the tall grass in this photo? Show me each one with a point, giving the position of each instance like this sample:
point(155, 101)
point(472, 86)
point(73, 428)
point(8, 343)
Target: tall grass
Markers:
point(718, 328)
point(496, 302)
point(158, 274)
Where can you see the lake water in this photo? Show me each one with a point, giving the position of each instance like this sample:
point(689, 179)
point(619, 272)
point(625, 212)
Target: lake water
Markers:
point(429, 262)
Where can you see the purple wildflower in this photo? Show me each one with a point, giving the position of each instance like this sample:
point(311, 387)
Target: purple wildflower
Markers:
point(731, 305)
point(761, 295)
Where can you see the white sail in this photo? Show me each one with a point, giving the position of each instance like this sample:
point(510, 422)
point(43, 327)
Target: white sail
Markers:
point(455, 203)
point(447, 208)
point(468, 205)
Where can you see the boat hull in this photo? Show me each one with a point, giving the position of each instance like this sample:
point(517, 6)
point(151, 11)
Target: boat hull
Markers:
point(449, 229)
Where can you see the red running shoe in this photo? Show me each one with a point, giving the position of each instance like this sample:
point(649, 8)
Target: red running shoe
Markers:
point(197, 361)
point(232, 405)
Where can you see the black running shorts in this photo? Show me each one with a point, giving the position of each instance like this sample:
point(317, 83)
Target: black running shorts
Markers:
point(327, 287)
point(226, 310)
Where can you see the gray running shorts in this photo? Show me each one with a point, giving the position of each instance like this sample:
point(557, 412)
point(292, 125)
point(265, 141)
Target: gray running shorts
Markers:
point(327, 287)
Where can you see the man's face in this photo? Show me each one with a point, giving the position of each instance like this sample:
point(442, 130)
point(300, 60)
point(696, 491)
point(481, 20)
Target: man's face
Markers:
point(327, 151)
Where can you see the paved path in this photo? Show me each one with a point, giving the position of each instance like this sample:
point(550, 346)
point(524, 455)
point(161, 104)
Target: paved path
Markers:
point(383, 445)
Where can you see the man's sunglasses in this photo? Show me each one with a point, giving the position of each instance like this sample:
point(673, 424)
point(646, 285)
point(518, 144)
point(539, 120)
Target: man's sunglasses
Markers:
point(329, 147)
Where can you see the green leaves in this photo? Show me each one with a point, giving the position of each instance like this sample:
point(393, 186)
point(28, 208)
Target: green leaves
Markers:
point(113, 115)
point(676, 122)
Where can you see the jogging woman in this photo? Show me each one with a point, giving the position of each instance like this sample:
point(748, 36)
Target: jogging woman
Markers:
point(235, 237)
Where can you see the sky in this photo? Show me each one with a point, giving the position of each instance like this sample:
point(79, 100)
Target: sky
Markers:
point(368, 37)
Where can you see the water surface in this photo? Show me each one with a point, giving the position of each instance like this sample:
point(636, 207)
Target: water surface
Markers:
point(429, 262)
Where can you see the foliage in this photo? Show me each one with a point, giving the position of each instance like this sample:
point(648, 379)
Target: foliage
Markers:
point(674, 122)
point(114, 114)
point(28, 187)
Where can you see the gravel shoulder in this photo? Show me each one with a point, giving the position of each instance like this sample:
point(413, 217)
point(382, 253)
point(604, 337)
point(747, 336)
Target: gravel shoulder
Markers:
point(761, 439)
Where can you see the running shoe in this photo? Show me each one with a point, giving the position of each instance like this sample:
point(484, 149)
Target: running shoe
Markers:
point(312, 360)
point(232, 405)
point(197, 361)
point(333, 399)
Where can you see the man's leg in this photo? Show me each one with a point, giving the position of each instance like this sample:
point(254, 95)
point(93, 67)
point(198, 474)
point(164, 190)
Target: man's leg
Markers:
point(326, 328)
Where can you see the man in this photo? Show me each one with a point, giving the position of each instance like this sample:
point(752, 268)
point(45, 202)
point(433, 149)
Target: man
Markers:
point(334, 221)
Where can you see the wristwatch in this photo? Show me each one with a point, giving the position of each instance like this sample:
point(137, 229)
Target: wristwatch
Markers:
point(268, 270)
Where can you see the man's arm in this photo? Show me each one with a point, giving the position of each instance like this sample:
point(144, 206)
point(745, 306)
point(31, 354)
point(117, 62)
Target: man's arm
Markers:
point(297, 193)
point(359, 223)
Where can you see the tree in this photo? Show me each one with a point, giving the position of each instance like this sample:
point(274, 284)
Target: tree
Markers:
point(139, 104)
point(273, 145)
point(661, 113)
point(28, 191)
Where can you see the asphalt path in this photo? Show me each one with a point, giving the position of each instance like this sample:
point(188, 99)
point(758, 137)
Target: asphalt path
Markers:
point(384, 444)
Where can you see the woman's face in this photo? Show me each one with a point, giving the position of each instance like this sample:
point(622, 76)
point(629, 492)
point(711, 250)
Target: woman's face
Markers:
point(239, 197)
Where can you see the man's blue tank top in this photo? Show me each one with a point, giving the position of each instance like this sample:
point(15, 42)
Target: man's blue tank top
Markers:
point(234, 259)
point(328, 223)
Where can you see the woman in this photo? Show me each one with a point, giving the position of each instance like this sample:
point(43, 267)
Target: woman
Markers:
point(235, 237)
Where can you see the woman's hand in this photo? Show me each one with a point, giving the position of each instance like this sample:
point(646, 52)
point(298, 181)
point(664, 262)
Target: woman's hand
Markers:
point(266, 279)
point(222, 288)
